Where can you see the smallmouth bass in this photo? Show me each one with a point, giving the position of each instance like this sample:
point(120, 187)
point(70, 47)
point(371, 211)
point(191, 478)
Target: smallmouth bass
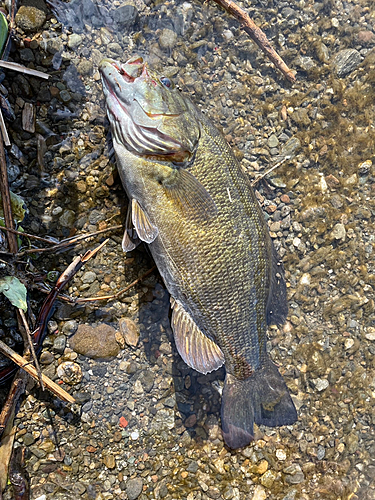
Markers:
point(193, 205)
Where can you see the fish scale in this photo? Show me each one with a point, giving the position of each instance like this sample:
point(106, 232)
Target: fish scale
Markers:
point(207, 234)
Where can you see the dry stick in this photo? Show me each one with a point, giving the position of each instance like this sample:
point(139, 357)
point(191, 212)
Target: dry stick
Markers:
point(31, 347)
point(7, 207)
point(257, 35)
point(65, 243)
point(22, 69)
point(255, 181)
point(115, 295)
point(16, 390)
point(30, 369)
point(31, 236)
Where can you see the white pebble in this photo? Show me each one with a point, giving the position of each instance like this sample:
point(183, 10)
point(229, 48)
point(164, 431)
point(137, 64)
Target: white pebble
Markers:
point(134, 435)
point(280, 455)
point(349, 343)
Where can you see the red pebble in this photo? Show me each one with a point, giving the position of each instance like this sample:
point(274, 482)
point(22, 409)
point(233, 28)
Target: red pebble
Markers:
point(123, 422)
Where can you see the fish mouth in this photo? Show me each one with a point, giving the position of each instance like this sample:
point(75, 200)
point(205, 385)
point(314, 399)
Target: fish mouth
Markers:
point(133, 126)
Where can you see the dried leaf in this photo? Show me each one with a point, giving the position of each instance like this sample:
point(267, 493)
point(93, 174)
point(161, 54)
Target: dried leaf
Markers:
point(15, 291)
point(18, 209)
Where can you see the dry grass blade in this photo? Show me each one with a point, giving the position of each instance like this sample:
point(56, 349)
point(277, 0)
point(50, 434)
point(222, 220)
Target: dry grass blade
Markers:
point(257, 35)
point(30, 369)
point(31, 347)
point(255, 181)
point(4, 131)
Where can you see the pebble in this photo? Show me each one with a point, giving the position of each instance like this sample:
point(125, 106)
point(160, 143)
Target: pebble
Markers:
point(130, 331)
point(95, 342)
point(69, 372)
point(280, 455)
point(370, 334)
point(30, 18)
point(339, 232)
point(74, 40)
point(320, 384)
point(259, 493)
point(167, 39)
point(345, 61)
point(134, 488)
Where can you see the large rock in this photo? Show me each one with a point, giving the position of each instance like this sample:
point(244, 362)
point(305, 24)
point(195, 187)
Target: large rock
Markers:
point(95, 342)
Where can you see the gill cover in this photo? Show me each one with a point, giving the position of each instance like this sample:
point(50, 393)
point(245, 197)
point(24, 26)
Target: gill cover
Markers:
point(147, 113)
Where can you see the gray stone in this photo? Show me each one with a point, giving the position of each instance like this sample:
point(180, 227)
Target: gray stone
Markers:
point(88, 277)
point(59, 344)
point(134, 488)
point(339, 232)
point(70, 327)
point(67, 218)
point(346, 61)
point(28, 439)
point(126, 15)
point(74, 40)
point(129, 331)
point(167, 39)
point(273, 141)
point(27, 55)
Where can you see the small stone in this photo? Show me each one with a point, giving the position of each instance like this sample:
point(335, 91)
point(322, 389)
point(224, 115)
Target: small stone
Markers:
point(191, 421)
point(69, 327)
point(134, 488)
point(69, 372)
point(280, 455)
point(74, 40)
point(97, 343)
point(28, 439)
point(30, 18)
point(126, 15)
point(88, 277)
point(167, 39)
point(85, 67)
point(320, 384)
point(339, 232)
point(129, 331)
point(262, 467)
point(273, 141)
point(46, 358)
point(348, 343)
point(109, 461)
point(346, 61)
point(134, 435)
point(370, 334)
point(59, 344)
point(259, 493)
point(67, 219)
point(268, 478)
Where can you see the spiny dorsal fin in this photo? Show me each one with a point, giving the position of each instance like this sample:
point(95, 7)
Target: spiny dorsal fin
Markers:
point(185, 190)
point(195, 348)
point(146, 231)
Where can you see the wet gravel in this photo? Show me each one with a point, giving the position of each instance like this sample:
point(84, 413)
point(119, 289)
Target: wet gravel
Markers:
point(146, 425)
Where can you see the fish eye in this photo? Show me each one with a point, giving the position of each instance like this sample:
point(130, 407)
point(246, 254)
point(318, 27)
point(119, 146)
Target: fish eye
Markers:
point(166, 82)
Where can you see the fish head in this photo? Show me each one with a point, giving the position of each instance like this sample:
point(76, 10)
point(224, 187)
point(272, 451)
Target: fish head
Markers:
point(148, 114)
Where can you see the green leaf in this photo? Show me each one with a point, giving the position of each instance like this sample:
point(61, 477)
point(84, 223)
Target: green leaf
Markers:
point(18, 210)
point(15, 291)
point(3, 31)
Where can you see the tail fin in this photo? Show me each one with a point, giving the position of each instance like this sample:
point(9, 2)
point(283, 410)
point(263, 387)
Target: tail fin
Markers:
point(262, 398)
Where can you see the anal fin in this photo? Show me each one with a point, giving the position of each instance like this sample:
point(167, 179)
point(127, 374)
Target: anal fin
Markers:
point(130, 239)
point(195, 348)
point(146, 231)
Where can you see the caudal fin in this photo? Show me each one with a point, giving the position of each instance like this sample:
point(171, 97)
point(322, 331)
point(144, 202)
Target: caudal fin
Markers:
point(262, 398)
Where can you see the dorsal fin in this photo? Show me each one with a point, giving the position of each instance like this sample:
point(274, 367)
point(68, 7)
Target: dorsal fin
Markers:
point(195, 348)
point(146, 231)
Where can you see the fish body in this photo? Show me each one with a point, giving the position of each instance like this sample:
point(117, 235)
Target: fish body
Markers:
point(193, 205)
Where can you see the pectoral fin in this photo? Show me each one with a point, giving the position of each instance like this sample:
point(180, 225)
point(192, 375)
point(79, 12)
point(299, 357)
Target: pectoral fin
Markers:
point(146, 231)
point(183, 189)
point(130, 239)
point(194, 347)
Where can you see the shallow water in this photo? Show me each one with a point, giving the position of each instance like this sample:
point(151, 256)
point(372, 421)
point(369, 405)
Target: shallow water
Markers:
point(320, 209)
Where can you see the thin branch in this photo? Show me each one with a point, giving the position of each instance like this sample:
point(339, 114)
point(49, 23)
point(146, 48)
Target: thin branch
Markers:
point(257, 35)
point(66, 243)
point(115, 295)
point(31, 236)
point(31, 347)
point(5, 194)
point(255, 181)
point(16, 390)
point(30, 369)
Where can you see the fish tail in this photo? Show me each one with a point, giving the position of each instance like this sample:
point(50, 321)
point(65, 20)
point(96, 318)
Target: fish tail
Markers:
point(262, 398)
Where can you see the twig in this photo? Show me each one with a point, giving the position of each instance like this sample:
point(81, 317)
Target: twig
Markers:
point(7, 207)
point(31, 236)
point(66, 243)
point(22, 69)
point(31, 347)
point(30, 369)
point(255, 181)
point(257, 35)
point(115, 295)
point(16, 390)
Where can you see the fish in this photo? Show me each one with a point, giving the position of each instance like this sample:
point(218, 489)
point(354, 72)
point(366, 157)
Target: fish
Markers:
point(193, 205)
